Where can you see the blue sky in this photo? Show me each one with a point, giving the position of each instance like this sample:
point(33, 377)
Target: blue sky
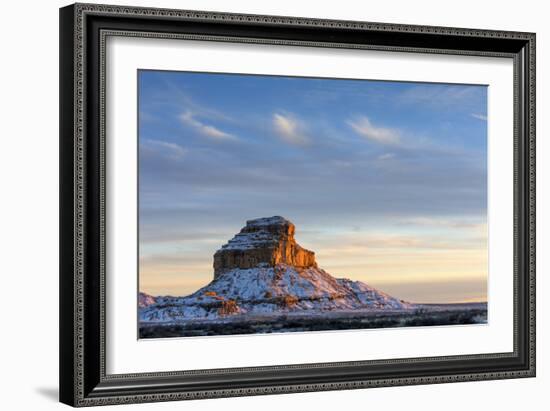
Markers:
point(386, 181)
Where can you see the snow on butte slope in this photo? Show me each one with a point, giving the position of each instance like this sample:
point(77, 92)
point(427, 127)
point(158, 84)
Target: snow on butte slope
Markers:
point(270, 291)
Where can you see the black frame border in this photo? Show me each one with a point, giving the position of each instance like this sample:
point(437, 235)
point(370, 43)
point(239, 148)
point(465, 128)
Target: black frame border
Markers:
point(83, 31)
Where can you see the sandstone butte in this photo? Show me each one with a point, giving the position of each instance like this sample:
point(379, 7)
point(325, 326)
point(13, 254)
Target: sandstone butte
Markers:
point(263, 242)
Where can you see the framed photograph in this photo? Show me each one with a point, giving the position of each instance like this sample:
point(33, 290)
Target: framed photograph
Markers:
point(262, 204)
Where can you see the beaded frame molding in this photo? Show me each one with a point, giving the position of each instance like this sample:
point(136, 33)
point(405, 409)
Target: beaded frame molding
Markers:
point(84, 29)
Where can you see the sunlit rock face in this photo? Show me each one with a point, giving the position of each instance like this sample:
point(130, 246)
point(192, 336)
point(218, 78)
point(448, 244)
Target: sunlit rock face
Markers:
point(263, 242)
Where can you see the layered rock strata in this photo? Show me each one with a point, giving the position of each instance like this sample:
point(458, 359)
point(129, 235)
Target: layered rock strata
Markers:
point(263, 242)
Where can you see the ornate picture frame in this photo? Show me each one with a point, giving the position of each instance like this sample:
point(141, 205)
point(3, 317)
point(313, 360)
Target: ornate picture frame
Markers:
point(84, 30)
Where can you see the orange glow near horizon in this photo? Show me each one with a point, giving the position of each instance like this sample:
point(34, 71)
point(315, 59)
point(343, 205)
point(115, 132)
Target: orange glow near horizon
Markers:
point(416, 268)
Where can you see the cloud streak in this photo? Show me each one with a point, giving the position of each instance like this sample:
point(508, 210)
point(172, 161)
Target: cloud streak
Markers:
point(442, 96)
point(441, 222)
point(171, 150)
point(289, 129)
point(382, 135)
point(481, 117)
point(190, 119)
point(386, 156)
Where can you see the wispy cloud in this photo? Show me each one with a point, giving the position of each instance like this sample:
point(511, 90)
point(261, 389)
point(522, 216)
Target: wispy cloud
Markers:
point(442, 96)
point(357, 245)
point(189, 118)
point(145, 116)
point(290, 129)
point(386, 156)
point(481, 117)
point(176, 95)
point(364, 127)
point(171, 150)
point(475, 226)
